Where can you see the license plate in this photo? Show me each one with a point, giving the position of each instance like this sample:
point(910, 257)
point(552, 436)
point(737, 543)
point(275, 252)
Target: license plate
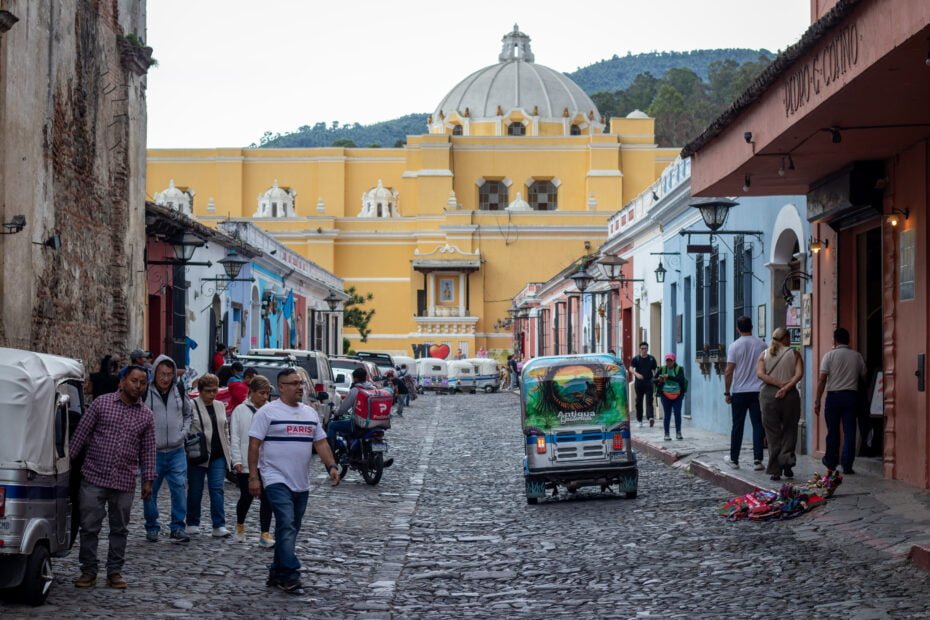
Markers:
point(6, 525)
point(377, 447)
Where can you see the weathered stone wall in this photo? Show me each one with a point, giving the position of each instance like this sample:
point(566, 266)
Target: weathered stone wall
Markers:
point(72, 160)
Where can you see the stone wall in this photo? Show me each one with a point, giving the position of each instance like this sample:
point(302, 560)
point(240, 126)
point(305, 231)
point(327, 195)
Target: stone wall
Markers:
point(72, 160)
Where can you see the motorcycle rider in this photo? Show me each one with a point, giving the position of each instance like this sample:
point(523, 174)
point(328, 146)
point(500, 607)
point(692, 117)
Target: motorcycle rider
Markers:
point(341, 422)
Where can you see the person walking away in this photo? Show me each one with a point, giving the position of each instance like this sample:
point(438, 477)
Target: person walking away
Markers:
point(283, 436)
point(840, 372)
point(105, 380)
point(514, 373)
point(238, 387)
point(241, 422)
point(409, 381)
point(742, 392)
point(138, 357)
point(643, 368)
point(118, 433)
point(219, 358)
point(171, 409)
point(671, 386)
point(209, 419)
point(400, 391)
point(780, 368)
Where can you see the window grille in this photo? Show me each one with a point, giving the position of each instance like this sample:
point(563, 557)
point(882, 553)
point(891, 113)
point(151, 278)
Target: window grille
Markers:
point(543, 196)
point(492, 196)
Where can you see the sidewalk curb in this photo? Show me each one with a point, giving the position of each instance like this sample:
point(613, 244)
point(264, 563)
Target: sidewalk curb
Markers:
point(666, 456)
point(722, 479)
point(919, 556)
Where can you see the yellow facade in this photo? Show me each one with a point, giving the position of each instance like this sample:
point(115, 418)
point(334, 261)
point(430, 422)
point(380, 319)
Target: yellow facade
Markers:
point(467, 263)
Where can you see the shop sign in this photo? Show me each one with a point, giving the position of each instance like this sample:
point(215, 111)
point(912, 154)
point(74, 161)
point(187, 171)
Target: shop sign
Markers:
point(821, 70)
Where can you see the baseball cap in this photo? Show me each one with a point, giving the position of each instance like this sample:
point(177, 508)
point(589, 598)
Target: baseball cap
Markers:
point(137, 353)
point(671, 356)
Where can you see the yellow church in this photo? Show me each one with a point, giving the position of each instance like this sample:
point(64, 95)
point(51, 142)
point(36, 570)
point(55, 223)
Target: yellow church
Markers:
point(514, 178)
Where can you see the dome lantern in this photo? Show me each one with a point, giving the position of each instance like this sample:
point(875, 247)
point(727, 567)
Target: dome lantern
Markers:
point(516, 46)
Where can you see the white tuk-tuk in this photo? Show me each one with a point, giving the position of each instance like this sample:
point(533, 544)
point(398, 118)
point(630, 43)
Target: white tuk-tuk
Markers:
point(432, 375)
point(462, 376)
point(41, 401)
point(487, 373)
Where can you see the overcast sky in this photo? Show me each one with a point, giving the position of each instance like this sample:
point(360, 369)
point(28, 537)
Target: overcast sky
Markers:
point(229, 70)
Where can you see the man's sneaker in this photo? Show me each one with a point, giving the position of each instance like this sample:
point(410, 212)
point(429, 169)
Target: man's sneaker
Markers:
point(757, 465)
point(240, 532)
point(641, 424)
point(789, 473)
point(652, 422)
point(731, 463)
point(116, 581)
point(679, 437)
point(290, 587)
point(192, 530)
point(266, 540)
point(668, 438)
point(151, 535)
point(86, 580)
point(178, 536)
point(220, 532)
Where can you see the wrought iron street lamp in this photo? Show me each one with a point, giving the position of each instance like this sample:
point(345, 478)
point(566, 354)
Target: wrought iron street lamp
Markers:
point(612, 266)
point(185, 246)
point(582, 279)
point(660, 273)
point(233, 264)
point(332, 300)
point(714, 211)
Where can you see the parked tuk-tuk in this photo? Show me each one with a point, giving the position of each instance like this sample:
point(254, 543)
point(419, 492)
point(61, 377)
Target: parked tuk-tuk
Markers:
point(487, 373)
point(576, 425)
point(462, 376)
point(403, 359)
point(432, 375)
point(41, 401)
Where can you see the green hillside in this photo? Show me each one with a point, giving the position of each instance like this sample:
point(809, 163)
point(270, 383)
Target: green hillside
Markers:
point(683, 90)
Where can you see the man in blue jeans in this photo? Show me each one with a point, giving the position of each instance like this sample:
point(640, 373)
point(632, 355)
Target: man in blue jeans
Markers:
point(841, 370)
point(283, 434)
point(171, 409)
point(742, 387)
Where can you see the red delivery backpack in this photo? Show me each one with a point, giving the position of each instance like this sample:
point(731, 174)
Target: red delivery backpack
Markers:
point(373, 408)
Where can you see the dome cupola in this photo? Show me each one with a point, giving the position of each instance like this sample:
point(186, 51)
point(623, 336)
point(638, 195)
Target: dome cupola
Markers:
point(516, 97)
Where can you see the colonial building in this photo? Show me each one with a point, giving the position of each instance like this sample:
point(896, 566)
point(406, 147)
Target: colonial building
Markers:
point(843, 116)
point(515, 175)
point(72, 176)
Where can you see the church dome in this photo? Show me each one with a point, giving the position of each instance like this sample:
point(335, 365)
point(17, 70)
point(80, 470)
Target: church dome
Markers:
point(517, 82)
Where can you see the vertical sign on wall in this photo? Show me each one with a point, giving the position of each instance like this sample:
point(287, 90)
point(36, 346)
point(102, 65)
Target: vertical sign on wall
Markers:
point(906, 284)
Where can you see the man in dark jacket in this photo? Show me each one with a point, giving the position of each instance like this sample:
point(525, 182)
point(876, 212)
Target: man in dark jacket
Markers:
point(171, 409)
point(643, 368)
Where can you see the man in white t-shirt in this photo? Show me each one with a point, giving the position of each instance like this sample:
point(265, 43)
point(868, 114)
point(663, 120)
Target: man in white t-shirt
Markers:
point(742, 391)
point(281, 442)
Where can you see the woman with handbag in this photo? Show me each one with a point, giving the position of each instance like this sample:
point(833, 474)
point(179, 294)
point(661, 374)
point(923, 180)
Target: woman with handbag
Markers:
point(209, 419)
point(241, 422)
point(671, 386)
point(781, 368)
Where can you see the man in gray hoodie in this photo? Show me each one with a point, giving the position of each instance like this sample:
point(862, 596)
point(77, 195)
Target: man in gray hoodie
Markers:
point(172, 411)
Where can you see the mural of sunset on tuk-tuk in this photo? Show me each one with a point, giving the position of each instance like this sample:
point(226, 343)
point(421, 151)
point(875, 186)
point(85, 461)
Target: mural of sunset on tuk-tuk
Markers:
point(589, 390)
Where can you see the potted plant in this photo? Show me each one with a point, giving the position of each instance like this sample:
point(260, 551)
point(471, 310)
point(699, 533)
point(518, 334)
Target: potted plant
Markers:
point(135, 55)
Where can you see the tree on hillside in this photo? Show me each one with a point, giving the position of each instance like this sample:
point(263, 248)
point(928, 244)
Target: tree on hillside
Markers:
point(354, 315)
point(344, 142)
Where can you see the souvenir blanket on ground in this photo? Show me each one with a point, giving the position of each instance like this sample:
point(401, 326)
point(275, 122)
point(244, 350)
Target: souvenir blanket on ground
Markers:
point(790, 501)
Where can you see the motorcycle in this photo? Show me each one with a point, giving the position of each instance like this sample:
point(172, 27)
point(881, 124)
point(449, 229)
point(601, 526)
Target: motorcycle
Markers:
point(364, 453)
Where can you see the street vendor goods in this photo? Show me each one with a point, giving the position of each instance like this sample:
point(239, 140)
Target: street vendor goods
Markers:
point(788, 502)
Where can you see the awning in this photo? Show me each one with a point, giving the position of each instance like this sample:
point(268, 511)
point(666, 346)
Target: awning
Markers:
point(856, 87)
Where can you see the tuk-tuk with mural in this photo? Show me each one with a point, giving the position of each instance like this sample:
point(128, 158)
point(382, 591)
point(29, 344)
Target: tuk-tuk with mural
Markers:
point(576, 426)
point(41, 401)
point(462, 377)
point(487, 373)
point(432, 375)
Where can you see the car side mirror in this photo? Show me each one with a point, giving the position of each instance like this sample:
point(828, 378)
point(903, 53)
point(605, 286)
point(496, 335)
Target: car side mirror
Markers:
point(340, 378)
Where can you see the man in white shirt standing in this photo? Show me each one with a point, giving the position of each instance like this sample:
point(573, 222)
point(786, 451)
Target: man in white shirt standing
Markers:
point(281, 442)
point(841, 371)
point(742, 392)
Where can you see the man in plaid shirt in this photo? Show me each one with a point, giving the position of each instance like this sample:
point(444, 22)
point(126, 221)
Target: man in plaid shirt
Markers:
point(118, 432)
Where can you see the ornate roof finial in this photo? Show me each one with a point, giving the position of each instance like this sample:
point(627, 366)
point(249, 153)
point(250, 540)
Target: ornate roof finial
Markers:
point(516, 46)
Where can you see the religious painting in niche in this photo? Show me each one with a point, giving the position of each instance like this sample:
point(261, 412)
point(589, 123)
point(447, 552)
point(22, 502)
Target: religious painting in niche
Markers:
point(446, 290)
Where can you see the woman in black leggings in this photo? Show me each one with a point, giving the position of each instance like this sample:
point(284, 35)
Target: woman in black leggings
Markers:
point(259, 390)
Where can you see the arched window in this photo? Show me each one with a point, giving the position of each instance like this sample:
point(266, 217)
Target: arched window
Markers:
point(575, 130)
point(516, 129)
point(456, 130)
point(543, 196)
point(492, 196)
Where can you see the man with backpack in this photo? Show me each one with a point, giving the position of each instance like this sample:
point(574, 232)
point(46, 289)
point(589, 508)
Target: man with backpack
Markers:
point(397, 385)
point(172, 412)
point(342, 422)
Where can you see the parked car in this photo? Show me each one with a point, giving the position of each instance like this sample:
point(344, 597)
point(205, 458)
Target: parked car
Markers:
point(383, 361)
point(269, 366)
point(316, 363)
point(342, 373)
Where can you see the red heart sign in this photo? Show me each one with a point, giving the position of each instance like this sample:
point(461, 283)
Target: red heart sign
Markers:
point(439, 350)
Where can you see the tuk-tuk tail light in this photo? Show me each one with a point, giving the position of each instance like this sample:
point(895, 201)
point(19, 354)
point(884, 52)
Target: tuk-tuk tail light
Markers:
point(618, 442)
point(540, 444)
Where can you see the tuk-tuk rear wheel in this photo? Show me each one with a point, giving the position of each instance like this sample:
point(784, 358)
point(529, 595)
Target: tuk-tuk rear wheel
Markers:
point(630, 494)
point(37, 581)
point(532, 500)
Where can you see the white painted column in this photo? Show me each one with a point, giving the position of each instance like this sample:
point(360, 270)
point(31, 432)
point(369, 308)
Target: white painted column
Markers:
point(462, 277)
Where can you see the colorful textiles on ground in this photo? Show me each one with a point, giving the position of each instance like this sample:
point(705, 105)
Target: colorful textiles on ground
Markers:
point(788, 502)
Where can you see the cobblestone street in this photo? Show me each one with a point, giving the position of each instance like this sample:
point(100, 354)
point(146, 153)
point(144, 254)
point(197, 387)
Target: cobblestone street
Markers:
point(448, 533)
